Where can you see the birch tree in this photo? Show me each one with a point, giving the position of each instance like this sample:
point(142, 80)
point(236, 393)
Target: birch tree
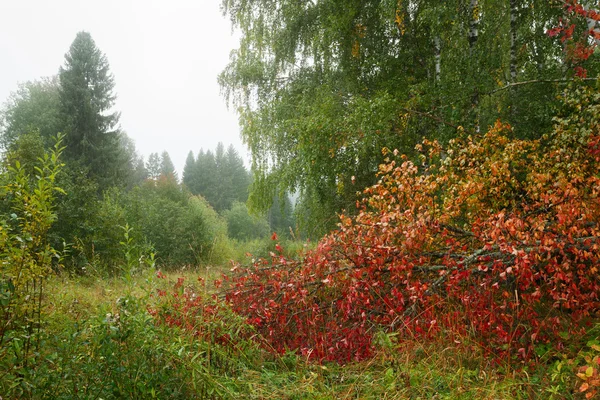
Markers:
point(321, 87)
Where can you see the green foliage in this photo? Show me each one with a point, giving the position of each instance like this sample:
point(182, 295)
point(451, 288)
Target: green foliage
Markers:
point(109, 220)
point(243, 226)
point(322, 87)
point(86, 100)
point(220, 178)
point(132, 170)
point(118, 354)
point(77, 212)
point(26, 255)
point(183, 229)
point(280, 216)
point(248, 251)
point(34, 107)
point(166, 166)
point(27, 150)
point(137, 257)
point(153, 166)
point(114, 348)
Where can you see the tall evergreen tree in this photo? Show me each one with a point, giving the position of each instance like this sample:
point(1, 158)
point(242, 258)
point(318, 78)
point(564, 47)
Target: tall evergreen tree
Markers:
point(222, 193)
point(280, 217)
point(239, 177)
point(140, 173)
point(189, 178)
point(86, 99)
point(153, 166)
point(134, 171)
point(220, 177)
point(167, 168)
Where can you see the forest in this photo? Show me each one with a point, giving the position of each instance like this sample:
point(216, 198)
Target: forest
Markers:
point(420, 217)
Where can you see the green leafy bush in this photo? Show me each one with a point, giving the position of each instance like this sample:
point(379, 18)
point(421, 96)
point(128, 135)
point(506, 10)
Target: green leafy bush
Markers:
point(26, 255)
point(183, 229)
point(243, 226)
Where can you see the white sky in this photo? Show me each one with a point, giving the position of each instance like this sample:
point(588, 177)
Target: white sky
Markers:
point(165, 56)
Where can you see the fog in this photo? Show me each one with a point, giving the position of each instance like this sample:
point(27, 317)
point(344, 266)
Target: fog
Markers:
point(165, 57)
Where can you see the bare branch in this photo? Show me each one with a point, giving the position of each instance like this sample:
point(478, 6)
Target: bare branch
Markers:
point(514, 84)
point(437, 119)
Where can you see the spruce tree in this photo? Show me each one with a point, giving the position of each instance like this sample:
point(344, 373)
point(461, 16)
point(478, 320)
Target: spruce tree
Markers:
point(219, 177)
point(153, 166)
point(86, 99)
point(239, 177)
point(167, 168)
point(189, 177)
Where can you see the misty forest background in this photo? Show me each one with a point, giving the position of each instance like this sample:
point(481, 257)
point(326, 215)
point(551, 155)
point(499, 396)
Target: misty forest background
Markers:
point(108, 186)
point(115, 279)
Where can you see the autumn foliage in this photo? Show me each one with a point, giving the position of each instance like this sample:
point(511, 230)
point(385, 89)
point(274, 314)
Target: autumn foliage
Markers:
point(489, 238)
point(579, 44)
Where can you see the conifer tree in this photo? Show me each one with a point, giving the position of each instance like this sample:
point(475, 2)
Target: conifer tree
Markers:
point(189, 177)
point(167, 168)
point(220, 177)
point(238, 175)
point(86, 100)
point(153, 166)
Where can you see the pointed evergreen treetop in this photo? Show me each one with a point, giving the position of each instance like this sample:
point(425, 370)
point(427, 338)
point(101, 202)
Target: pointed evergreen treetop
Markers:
point(86, 99)
point(166, 166)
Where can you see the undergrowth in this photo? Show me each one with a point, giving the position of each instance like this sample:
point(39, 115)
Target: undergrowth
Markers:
point(110, 339)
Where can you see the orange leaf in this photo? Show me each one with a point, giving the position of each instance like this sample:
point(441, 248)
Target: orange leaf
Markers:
point(584, 387)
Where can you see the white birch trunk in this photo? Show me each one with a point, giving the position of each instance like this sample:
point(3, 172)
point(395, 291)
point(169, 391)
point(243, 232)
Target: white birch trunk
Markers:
point(473, 36)
point(513, 41)
point(438, 57)
point(474, 23)
point(592, 24)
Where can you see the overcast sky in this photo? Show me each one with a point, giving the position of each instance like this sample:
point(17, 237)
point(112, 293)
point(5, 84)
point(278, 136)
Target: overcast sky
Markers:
point(165, 56)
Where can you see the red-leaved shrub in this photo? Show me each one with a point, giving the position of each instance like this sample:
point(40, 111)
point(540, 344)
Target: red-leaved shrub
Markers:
point(490, 238)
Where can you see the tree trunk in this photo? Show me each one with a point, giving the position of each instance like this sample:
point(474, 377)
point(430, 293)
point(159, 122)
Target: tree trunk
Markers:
point(513, 41)
point(473, 36)
point(438, 57)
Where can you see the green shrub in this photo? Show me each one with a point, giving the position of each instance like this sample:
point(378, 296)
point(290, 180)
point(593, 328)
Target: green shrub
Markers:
point(183, 229)
point(26, 256)
point(77, 213)
point(242, 226)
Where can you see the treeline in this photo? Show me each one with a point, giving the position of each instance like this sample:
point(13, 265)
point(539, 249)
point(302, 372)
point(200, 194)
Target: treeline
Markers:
point(107, 190)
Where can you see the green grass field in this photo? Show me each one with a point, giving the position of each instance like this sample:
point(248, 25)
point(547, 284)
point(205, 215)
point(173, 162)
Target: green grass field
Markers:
point(100, 341)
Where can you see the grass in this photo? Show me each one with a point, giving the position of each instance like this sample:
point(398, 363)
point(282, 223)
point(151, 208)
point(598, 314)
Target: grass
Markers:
point(99, 342)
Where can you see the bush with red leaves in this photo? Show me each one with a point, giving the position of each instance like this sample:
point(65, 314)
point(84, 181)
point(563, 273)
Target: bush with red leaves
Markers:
point(491, 238)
